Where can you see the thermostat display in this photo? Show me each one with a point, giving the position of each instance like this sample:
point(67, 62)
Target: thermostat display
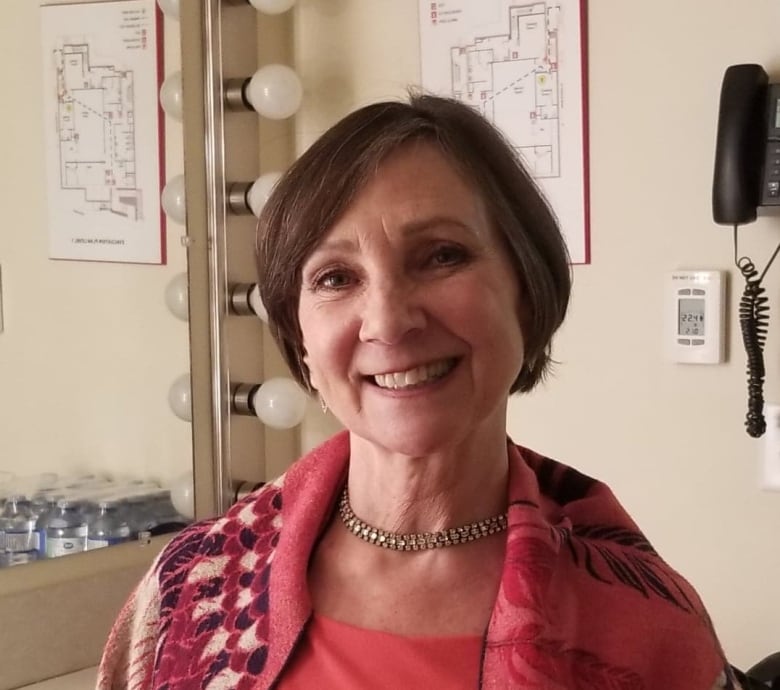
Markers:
point(690, 313)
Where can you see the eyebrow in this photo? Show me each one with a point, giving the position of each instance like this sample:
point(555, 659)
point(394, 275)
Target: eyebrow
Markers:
point(410, 228)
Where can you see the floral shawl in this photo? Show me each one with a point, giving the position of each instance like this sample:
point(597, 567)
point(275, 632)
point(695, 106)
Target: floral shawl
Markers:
point(584, 600)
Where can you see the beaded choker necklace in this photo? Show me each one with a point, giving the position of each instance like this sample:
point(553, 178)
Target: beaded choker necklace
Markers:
point(418, 542)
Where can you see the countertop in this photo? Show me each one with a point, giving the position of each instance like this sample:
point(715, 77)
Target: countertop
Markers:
point(81, 680)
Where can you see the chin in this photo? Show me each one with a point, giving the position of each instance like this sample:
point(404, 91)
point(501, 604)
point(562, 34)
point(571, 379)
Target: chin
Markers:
point(405, 439)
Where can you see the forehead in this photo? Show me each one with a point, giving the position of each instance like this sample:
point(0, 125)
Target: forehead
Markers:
point(412, 184)
point(419, 168)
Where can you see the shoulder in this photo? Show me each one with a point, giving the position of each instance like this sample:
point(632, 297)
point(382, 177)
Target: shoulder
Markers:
point(577, 506)
point(254, 523)
point(557, 481)
point(247, 526)
point(599, 537)
point(201, 576)
point(210, 586)
point(598, 560)
point(562, 491)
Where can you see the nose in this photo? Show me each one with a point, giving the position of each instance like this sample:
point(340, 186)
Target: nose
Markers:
point(392, 309)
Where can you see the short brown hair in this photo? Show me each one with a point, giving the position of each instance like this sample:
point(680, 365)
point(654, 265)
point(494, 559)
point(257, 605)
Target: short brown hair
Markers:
point(321, 184)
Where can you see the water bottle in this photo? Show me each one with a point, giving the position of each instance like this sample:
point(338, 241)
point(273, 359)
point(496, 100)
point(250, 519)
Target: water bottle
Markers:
point(19, 536)
point(44, 505)
point(89, 501)
point(66, 530)
point(136, 508)
point(108, 527)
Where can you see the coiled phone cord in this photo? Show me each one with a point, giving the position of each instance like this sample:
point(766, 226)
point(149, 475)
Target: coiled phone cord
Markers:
point(754, 323)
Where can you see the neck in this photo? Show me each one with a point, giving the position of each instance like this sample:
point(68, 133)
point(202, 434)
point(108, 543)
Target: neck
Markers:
point(453, 486)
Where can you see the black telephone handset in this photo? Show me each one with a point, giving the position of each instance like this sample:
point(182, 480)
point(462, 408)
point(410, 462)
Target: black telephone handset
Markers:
point(739, 150)
point(747, 176)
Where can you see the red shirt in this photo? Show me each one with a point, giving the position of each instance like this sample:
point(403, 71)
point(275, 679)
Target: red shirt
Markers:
point(338, 656)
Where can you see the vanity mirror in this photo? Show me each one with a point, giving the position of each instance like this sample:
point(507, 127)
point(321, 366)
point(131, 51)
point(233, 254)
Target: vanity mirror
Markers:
point(89, 351)
point(129, 372)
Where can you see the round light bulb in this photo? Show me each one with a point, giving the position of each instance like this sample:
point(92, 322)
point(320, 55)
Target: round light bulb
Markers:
point(272, 6)
point(180, 398)
point(170, 8)
point(280, 403)
point(171, 96)
point(176, 296)
point(183, 495)
point(260, 191)
point(173, 200)
point(256, 303)
point(275, 91)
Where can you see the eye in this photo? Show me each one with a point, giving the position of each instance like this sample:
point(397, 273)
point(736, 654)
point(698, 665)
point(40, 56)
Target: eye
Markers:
point(447, 255)
point(334, 279)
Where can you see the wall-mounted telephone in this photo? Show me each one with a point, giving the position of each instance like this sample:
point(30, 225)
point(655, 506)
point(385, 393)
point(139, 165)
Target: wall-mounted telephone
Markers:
point(747, 176)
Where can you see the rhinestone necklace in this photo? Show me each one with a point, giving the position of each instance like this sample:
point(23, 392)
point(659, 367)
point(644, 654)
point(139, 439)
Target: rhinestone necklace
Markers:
point(417, 542)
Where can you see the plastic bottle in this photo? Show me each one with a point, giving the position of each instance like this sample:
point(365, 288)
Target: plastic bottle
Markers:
point(44, 502)
point(19, 537)
point(43, 506)
point(137, 510)
point(66, 530)
point(108, 527)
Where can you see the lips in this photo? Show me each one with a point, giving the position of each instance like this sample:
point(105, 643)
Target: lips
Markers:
point(426, 373)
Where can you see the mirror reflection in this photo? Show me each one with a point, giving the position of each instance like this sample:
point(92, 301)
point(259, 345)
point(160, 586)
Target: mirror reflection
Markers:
point(95, 447)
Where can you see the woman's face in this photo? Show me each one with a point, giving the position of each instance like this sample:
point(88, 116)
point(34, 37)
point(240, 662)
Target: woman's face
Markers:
point(409, 310)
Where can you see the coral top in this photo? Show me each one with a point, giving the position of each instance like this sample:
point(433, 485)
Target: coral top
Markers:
point(337, 656)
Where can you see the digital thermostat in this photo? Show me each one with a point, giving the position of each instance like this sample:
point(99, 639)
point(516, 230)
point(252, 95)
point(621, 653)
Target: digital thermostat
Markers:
point(695, 317)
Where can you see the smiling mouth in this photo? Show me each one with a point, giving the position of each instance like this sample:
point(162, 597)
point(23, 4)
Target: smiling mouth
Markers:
point(418, 376)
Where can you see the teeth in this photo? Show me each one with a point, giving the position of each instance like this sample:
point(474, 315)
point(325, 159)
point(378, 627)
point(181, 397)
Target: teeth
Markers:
point(412, 377)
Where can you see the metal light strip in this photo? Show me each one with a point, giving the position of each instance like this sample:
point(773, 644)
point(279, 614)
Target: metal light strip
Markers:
point(216, 223)
point(200, 26)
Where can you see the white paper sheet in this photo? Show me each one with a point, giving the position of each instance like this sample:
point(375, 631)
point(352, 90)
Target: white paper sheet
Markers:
point(521, 65)
point(103, 131)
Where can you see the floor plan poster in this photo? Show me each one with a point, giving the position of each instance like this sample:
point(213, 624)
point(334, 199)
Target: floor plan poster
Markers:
point(521, 64)
point(103, 131)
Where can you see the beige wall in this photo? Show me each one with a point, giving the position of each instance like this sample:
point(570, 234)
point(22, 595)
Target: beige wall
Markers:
point(89, 350)
point(668, 438)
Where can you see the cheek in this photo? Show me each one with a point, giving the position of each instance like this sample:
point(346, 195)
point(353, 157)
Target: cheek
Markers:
point(327, 350)
point(511, 305)
point(489, 317)
point(522, 312)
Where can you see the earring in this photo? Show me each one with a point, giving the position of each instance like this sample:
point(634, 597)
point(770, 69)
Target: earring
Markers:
point(323, 404)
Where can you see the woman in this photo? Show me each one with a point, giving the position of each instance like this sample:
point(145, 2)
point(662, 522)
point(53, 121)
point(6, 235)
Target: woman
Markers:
point(414, 277)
